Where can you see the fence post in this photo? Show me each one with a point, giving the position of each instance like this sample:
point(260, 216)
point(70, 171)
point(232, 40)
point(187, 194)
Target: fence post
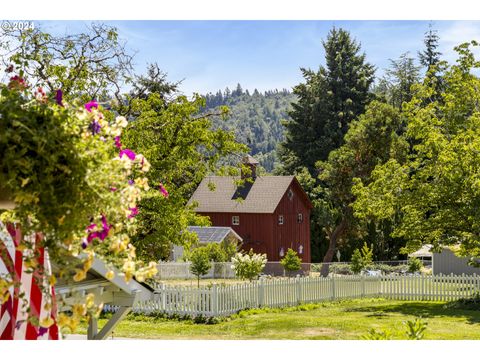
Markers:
point(164, 298)
point(363, 285)
point(214, 299)
point(299, 290)
point(333, 287)
point(261, 292)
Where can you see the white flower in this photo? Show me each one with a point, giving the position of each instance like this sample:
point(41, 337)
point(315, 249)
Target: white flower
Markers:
point(121, 121)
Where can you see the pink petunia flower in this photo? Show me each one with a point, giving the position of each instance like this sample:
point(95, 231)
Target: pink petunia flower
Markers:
point(90, 105)
point(163, 190)
point(130, 154)
point(118, 144)
point(100, 234)
point(133, 213)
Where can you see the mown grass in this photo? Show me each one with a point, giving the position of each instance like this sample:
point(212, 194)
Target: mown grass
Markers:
point(349, 319)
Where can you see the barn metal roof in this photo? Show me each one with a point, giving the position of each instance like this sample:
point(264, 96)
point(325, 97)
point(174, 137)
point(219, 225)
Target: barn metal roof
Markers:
point(213, 234)
point(262, 196)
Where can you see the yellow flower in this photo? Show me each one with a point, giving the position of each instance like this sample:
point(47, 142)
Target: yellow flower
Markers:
point(80, 275)
point(110, 275)
point(52, 280)
point(90, 300)
point(63, 320)
point(47, 322)
point(79, 310)
point(128, 276)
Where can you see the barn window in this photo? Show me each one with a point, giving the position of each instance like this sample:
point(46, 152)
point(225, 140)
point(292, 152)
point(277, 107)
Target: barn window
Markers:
point(299, 217)
point(290, 194)
point(280, 219)
point(235, 220)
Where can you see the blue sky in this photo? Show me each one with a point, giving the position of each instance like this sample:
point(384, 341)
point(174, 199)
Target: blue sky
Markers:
point(211, 55)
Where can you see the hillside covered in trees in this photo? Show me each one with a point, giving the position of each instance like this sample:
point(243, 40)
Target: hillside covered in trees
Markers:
point(255, 119)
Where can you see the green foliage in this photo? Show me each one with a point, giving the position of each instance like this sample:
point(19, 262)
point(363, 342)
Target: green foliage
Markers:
point(416, 329)
point(367, 254)
point(248, 266)
point(414, 264)
point(200, 262)
point(327, 102)
point(88, 65)
point(372, 139)
point(435, 189)
point(361, 258)
point(356, 262)
point(395, 86)
point(183, 148)
point(377, 335)
point(291, 261)
point(254, 118)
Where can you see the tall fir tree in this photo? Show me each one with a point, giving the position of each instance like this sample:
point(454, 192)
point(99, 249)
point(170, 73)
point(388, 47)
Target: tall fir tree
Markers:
point(430, 56)
point(395, 86)
point(327, 102)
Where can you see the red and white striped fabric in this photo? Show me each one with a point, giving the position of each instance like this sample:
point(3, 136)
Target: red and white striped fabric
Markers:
point(13, 314)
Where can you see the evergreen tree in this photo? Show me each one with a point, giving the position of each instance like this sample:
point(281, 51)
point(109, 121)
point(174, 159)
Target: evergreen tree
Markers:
point(328, 101)
point(395, 87)
point(430, 56)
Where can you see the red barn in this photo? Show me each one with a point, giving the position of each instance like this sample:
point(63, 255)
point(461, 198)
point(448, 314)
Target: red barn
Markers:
point(270, 213)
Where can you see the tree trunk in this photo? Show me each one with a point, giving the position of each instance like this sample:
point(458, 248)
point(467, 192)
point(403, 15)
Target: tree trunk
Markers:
point(332, 246)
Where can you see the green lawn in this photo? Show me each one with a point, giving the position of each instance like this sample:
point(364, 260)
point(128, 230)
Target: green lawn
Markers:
point(348, 319)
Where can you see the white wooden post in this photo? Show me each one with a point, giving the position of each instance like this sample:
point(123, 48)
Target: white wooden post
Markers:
point(214, 299)
point(261, 292)
point(164, 297)
point(362, 279)
point(333, 287)
point(299, 290)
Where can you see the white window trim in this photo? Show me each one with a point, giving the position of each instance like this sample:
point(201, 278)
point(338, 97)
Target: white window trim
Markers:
point(280, 219)
point(300, 218)
point(235, 220)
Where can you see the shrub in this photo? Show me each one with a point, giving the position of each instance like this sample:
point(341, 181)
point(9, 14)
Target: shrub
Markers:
point(248, 266)
point(416, 329)
point(200, 263)
point(377, 335)
point(414, 264)
point(361, 258)
point(357, 262)
point(291, 262)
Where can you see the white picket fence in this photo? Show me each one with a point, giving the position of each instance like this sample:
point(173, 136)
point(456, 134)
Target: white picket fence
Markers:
point(225, 300)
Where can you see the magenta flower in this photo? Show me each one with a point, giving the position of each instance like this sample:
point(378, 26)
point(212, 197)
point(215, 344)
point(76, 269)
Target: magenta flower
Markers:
point(106, 228)
point(94, 127)
point(130, 154)
point(59, 97)
point(90, 105)
point(42, 331)
point(131, 182)
point(113, 189)
point(118, 144)
point(134, 212)
point(84, 244)
point(163, 190)
point(100, 234)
